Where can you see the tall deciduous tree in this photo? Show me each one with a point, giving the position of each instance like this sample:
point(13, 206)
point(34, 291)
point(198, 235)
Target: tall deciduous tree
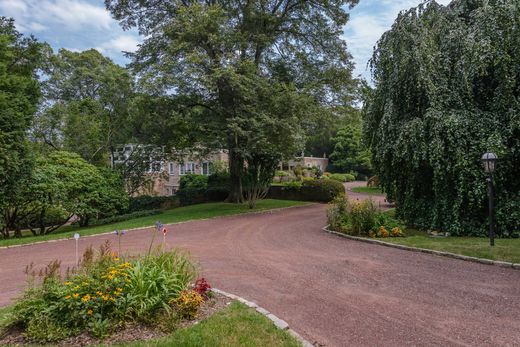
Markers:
point(87, 98)
point(19, 94)
point(446, 91)
point(222, 60)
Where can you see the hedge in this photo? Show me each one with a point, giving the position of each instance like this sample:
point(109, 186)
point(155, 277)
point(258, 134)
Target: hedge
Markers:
point(124, 217)
point(147, 202)
point(323, 190)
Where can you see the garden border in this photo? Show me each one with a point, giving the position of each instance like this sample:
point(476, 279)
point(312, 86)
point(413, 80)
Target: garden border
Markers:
point(279, 323)
point(504, 264)
point(306, 204)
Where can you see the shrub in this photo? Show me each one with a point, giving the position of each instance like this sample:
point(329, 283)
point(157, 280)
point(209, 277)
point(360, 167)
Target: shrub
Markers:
point(362, 218)
point(322, 190)
point(187, 304)
point(193, 181)
point(343, 177)
point(102, 293)
point(219, 186)
point(202, 287)
point(124, 217)
point(147, 202)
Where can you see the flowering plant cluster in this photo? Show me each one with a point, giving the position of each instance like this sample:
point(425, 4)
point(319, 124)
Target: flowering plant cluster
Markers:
point(383, 232)
point(202, 287)
point(104, 292)
point(188, 303)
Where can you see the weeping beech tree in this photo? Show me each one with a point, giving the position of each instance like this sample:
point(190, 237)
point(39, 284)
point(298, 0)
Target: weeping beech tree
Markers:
point(219, 60)
point(447, 89)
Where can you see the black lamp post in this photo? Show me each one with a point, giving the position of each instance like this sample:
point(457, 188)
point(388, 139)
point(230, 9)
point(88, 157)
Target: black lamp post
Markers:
point(489, 161)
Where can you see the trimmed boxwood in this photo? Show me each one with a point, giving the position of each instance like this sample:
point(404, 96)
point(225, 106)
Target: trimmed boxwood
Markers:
point(323, 190)
point(147, 202)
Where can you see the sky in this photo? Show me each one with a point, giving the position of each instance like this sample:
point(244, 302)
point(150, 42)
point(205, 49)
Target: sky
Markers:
point(83, 24)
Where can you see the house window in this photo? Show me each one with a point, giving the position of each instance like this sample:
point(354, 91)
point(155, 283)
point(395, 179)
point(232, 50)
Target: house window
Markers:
point(205, 168)
point(171, 168)
point(188, 168)
point(156, 166)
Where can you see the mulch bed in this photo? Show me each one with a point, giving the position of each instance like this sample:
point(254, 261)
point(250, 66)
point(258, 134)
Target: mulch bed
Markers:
point(129, 333)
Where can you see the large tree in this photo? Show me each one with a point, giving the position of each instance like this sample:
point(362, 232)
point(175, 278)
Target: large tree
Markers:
point(20, 58)
point(222, 60)
point(86, 105)
point(447, 89)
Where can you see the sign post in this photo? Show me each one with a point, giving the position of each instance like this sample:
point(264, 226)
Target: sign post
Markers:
point(76, 237)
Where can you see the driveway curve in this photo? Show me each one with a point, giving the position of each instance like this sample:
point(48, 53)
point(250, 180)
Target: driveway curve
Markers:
point(334, 291)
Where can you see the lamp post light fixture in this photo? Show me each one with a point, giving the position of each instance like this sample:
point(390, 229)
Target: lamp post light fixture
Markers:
point(489, 160)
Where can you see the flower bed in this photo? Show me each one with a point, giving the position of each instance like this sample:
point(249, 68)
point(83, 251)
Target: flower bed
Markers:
point(106, 294)
point(362, 219)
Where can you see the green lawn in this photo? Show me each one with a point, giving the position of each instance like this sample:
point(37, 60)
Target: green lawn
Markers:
point(175, 215)
point(236, 325)
point(367, 190)
point(504, 249)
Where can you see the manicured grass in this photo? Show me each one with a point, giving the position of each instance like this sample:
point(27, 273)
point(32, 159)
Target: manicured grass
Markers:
point(504, 249)
point(367, 190)
point(236, 325)
point(175, 215)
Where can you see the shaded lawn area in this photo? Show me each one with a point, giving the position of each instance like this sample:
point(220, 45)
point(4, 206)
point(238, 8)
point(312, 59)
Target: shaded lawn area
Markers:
point(236, 325)
point(367, 190)
point(180, 214)
point(504, 249)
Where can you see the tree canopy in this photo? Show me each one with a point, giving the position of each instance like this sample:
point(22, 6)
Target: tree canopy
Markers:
point(447, 89)
point(20, 58)
point(232, 65)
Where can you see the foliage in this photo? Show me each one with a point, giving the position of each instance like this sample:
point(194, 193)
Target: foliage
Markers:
point(350, 154)
point(102, 293)
point(86, 105)
point(193, 181)
point(322, 190)
point(342, 177)
point(218, 186)
point(446, 91)
point(147, 202)
point(260, 170)
point(242, 75)
point(20, 58)
point(361, 218)
point(123, 217)
point(202, 287)
point(62, 185)
point(187, 303)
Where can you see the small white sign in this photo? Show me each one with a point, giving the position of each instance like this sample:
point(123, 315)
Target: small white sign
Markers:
point(76, 236)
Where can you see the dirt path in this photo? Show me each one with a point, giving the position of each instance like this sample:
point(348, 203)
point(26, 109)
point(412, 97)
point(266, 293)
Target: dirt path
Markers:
point(333, 291)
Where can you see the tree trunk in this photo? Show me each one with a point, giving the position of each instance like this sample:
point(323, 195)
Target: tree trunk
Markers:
point(236, 165)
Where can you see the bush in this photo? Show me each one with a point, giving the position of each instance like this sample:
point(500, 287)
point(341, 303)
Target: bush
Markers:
point(342, 177)
point(193, 181)
point(103, 293)
point(219, 186)
point(124, 217)
point(191, 196)
point(323, 190)
point(362, 218)
point(147, 202)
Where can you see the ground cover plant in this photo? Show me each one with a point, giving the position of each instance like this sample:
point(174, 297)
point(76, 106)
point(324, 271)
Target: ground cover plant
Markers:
point(181, 214)
point(362, 219)
point(106, 292)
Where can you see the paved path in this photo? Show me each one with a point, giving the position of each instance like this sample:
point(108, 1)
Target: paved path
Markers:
point(334, 291)
point(379, 199)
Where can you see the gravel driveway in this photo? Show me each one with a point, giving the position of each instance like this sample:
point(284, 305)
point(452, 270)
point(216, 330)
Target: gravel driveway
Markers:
point(335, 292)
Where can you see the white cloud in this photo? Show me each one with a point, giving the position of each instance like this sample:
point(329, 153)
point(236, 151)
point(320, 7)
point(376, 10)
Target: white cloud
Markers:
point(125, 43)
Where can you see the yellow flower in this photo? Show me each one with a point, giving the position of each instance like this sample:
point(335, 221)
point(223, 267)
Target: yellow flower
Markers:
point(67, 283)
point(99, 293)
point(85, 298)
point(75, 295)
point(76, 287)
point(67, 297)
point(89, 312)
